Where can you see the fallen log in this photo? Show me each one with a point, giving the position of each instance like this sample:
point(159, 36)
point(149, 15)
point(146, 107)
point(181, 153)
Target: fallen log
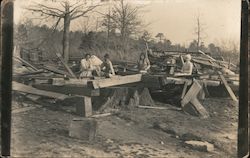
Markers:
point(30, 90)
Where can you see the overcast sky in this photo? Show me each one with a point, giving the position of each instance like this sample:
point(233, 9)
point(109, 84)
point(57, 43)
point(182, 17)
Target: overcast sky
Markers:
point(177, 18)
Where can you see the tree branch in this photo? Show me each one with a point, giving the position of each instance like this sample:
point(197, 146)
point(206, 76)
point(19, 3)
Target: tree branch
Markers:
point(82, 13)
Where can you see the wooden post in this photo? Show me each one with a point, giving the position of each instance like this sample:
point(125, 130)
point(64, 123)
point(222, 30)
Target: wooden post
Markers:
point(84, 109)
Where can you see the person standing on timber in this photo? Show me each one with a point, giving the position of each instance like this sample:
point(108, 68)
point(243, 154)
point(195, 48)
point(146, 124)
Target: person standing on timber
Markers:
point(143, 63)
point(107, 67)
point(86, 67)
point(187, 67)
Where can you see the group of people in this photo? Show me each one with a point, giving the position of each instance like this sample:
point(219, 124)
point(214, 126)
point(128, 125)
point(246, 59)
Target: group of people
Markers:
point(93, 66)
point(143, 65)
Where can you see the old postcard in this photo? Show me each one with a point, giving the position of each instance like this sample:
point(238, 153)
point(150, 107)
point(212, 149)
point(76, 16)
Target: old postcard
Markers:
point(125, 78)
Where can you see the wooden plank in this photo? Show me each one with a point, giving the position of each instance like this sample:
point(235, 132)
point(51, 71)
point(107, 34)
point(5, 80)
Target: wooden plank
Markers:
point(192, 93)
point(71, 81)
point(184, 90)
point(53, 69)
point(200, 109)
point(114, 81)
point(67, 89)
point(229, 90)
point(30, 90)
point(26, 63)
point(66, 65)
point(85, 109)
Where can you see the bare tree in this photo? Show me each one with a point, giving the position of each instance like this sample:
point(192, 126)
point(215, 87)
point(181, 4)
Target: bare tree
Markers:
point(125, 18)
point(199, 31)
point(68, 10)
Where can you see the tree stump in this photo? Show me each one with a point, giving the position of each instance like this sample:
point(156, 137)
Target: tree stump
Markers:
point(124, 98)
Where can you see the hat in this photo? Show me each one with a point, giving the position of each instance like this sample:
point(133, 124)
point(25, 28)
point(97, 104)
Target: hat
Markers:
point(188, 57)
point(106, 56)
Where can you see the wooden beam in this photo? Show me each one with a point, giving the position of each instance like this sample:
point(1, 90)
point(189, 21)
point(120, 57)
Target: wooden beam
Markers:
point(184, 90)
point(114, 81)
point(30, 90)
point(67, 89)
point(65, 65)
point(85, 109)
point(192, 93)
point(229, 90)
point(71, 81)
point(200, 109)
point(26, 63)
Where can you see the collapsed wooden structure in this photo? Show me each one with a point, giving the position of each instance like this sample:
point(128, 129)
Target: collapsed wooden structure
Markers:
point(126, 90)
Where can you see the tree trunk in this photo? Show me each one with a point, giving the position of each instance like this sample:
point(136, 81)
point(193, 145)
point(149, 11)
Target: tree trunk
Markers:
point(66, 37)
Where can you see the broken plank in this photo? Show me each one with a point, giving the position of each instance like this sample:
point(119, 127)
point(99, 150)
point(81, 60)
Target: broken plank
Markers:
point(229, 90)
point(30, 90)
point(155, 107)
point(200, 109)
point(101, 115)
point(66, 65)
point(192, 93)
point(114, 81)
point(67, 89)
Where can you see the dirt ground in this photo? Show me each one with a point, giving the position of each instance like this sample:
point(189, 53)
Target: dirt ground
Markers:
point(42, 130)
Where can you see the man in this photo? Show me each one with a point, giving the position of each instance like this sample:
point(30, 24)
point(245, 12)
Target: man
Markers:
point(107, 67)
point(187, 67)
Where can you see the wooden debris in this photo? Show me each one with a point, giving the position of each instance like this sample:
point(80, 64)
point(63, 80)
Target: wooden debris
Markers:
point(153, 107)
point(229, 90)
point(84, 109)
point(184, 90)
point(83, 128)
point(30, 90)
point(191, 96)
point(55, 70)
point(71, 82)
point(101, 115)
point(68, 89)
point(31, 73)
point(26, 63)
point(200, 109)
point(115, 80)
point(192, 92)
point(65, 65)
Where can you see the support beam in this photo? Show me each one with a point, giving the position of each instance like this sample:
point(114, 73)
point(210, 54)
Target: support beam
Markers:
point(229, 90)
point(84, 109)
point(114, 81)
point(67, 89)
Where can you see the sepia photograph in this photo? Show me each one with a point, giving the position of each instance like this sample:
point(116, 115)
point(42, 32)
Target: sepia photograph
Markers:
point(124, 78)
